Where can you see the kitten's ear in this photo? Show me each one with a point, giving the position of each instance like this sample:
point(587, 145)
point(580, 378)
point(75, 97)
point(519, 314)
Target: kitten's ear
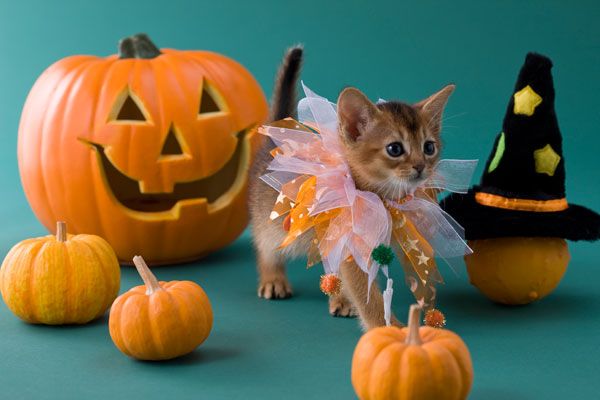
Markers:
point(355, 112)
point(433, 106)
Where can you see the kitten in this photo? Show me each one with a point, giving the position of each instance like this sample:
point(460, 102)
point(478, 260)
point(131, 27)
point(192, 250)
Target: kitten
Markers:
point(391, 148)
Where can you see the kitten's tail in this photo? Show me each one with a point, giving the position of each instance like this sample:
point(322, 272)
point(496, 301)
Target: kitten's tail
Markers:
point(283, 101)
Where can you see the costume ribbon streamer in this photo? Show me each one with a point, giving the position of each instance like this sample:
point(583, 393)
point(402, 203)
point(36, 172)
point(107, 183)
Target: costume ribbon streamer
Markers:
point(317, 193)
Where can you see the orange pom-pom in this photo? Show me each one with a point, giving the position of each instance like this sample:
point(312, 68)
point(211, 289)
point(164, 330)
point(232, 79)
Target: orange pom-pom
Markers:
point(435, 318)
point(330, 284)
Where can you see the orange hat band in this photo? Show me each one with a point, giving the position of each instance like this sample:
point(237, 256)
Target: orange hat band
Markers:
point(494, 200)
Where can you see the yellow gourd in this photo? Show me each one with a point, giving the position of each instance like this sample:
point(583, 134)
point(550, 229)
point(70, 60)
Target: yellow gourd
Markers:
point(60, 279)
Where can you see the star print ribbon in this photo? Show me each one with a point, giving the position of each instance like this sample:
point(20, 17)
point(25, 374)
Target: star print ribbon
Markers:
point(317, 193)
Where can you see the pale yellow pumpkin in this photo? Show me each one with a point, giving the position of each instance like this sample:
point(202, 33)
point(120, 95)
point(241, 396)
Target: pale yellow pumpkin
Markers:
point(60, 279)
point(519, 270)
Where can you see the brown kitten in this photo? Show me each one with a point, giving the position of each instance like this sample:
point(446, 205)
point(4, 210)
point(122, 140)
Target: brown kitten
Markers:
point(390, 148)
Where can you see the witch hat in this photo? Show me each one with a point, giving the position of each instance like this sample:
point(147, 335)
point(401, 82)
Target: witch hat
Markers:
point(522, 190)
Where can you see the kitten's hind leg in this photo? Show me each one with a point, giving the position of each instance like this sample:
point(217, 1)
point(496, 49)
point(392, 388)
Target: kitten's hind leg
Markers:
point(272, 279)
point(341, 306)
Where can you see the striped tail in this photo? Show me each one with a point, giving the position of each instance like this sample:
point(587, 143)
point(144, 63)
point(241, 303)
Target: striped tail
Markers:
point(283, 101)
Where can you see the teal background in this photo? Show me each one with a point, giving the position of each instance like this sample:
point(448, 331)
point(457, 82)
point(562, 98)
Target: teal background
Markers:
point(293, 349)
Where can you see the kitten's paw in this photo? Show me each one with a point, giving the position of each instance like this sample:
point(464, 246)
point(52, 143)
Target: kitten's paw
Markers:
point(275, 288)
point(339, 306)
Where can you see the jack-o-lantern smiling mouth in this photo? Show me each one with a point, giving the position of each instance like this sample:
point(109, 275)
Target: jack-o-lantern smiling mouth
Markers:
point(211, 189)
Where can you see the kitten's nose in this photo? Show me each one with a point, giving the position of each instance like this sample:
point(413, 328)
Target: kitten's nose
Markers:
point(419, 168)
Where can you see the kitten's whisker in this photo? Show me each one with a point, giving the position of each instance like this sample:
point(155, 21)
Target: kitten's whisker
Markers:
point(446, 118)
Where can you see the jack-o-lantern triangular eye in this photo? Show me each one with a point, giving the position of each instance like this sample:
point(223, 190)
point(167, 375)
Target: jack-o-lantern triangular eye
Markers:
point(128, 109)
point(208, 103)
point(211, 101)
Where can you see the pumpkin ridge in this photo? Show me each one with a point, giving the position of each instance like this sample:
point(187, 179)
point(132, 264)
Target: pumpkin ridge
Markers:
point(58, 68)
point(89, 274)
point(113, 329)
point(373, 372)
point(42, 182)
point(103, 246)
point(458, 349)
point(7, 277)
point(158, 344)
point(71, 313)
point(58, 103)
point(11, 253)
point(96, 70)
point(398, 347)
point(109, 254)
point(198, 296)
point(107, 285)
point(176, 72)
point(177, 303)
point(444, 353)
point(105, 77)
point(405, 360)
point(68, 99)
point(123, 315)
point(27, 303)
point(35, 261)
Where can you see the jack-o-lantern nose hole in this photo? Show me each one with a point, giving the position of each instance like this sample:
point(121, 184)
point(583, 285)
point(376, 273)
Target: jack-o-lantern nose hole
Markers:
point(172, 146)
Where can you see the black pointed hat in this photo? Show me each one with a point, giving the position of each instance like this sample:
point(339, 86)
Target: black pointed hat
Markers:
point(522, 190)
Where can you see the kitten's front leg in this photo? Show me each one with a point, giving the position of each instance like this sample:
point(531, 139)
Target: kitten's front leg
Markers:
point(272, 279)
point(355, 282)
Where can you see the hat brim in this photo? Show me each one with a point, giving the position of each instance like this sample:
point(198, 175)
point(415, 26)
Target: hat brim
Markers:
point(483, 222)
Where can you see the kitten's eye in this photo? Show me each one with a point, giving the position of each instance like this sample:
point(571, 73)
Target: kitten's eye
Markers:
point(429, 148)
point(395, 149)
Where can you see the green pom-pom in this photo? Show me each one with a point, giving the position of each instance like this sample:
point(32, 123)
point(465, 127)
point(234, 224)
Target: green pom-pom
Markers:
point(383, 254)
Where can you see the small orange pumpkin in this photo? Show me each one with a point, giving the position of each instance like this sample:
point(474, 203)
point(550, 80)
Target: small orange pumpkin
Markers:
point(413, 363)
point(160, 320)
point(147, 148)
point(60, 280)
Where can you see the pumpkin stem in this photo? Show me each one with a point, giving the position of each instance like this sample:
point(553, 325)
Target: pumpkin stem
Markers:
point(414, 323)
point(138, 46)
point(61, 231)
point(148, 277)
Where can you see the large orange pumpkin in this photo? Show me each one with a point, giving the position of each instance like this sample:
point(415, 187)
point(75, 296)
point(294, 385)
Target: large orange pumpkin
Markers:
point(412, 363)
point(148, 148)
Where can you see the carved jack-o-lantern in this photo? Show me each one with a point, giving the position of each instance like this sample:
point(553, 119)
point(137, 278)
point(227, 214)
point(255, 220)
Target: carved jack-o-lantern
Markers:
point(148, 149)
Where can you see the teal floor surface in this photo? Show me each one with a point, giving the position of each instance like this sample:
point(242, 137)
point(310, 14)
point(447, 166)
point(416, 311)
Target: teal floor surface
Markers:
point(292, 349)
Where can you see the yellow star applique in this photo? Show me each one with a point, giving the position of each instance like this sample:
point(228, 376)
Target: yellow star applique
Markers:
point(412, 244)
point(526, 100)
point(423, 259)
point(546, 160)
